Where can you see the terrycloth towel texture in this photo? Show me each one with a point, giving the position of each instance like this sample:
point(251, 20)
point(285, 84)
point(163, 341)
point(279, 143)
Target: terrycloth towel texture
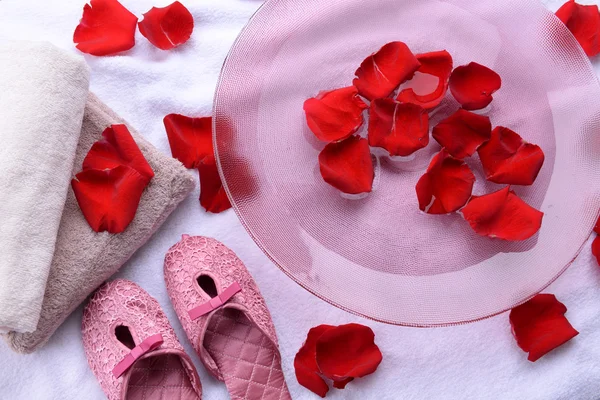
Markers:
point(43, 91)
point(83, 258)
point(478, 361)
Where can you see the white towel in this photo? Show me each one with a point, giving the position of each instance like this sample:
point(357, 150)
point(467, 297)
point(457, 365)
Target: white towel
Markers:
point(42, 97)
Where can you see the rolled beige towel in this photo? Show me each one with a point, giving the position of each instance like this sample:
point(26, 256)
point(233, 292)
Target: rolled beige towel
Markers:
point(84, 259)
point(80, 259)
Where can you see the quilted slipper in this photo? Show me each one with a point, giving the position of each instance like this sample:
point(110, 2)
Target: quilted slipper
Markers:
point(225, 317)
point(132, 348)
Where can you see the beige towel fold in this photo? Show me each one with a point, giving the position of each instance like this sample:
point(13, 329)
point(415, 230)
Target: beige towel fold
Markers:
point(83, 259)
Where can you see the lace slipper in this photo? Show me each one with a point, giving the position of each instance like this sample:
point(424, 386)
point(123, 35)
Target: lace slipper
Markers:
point(225, 317)
point(132, 348)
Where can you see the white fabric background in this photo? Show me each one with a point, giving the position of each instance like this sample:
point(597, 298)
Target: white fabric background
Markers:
point(476, 361)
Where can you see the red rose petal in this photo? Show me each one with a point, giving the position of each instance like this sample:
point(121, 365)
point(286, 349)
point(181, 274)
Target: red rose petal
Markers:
point(305, 362)
point(462, 133)
point(191, 143)
point(347, 351)
point(167, 27)
point(336, 114)
point(596, 248)
point(106, 27)
point(438, 64)
point(117, 147)
point(341, 384)
point(399, 128)
point(190, 138)
point(381, 73)
point(347, 165)
point(584, 22)
point(508, 159)
point(540, 326)
point(212, 194)
point(473, 85)
point(446, 186)
point(503, 215)
point(109, 198)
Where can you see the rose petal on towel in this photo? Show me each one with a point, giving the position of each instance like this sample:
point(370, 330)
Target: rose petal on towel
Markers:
point(540, 325)
point(212, 194)
point(305, 362)
point(336, 114)
point(117, 147)
point(584, 23)
point(347, 352)
point(472, 85)
point(508, 159)
point(191, 143)
point(503, 215)
point(462, 133)
point(106, 27)
point(438, 64)
point(446, 186)
point(347, 165)
point(399, 128)
point(167, 27)
point(109, 198)
point(190, 138)
point(597, 227)
point(381, 73)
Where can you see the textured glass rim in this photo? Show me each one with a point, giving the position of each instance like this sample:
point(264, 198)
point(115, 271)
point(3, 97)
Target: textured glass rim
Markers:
point(257, 240)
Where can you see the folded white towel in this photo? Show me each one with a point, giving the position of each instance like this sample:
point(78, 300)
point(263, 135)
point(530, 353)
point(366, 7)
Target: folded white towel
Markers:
point(43, 92)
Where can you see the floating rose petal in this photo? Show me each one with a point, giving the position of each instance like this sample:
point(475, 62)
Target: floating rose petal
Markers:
point(106, 27)
point(305, 362)
point(167, 27)
point(596, 248)
point(347, 165)
point(109, 198)
point(462, 133)
point(381, 73)
point(117, 147)
point(508, 159)
point(347, 352)
point(473, 85)
point(438, 64)
point(540, 326)
point(212, 194)
point(446, 186)
point(190, 138)
point(584, 22)
point(503, 215)
point(401, 129)
point(336, 114)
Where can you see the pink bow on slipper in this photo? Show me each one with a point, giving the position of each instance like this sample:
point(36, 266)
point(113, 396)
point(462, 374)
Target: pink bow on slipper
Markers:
point(147, 345)
point(215, 302)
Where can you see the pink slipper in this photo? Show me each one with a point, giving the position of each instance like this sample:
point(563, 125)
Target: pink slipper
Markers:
point(132, 348)
point(225, 317)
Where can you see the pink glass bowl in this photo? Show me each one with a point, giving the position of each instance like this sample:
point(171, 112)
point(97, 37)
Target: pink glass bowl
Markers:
point(380, 257)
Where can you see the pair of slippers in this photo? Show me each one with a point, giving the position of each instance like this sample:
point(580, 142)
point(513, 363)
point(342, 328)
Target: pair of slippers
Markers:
point(135, 354)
